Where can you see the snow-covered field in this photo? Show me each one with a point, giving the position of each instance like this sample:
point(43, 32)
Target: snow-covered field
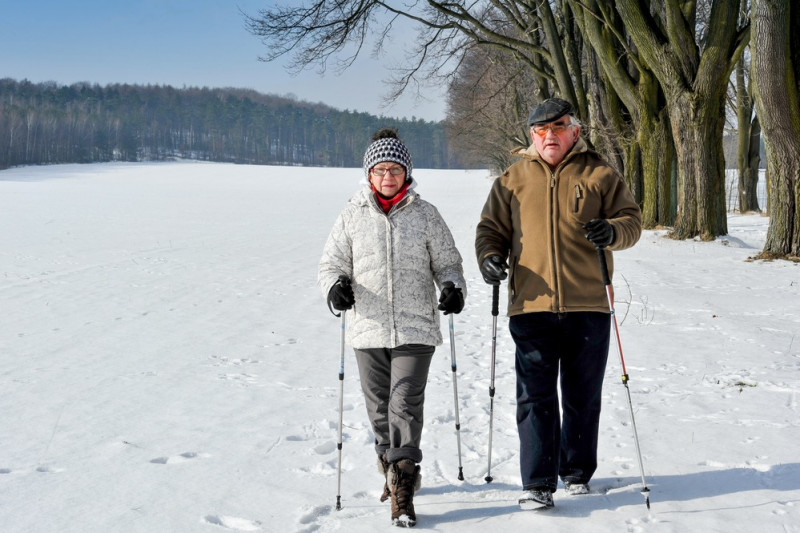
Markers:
point(168, 365)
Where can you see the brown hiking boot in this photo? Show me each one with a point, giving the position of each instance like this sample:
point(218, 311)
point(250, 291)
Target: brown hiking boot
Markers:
point(403, 478)
point(383, 468)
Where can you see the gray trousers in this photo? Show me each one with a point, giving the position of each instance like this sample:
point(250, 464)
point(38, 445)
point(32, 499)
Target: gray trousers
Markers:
point(393, 381)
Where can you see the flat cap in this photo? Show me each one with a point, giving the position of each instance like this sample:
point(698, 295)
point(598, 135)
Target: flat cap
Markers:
point(550, 110)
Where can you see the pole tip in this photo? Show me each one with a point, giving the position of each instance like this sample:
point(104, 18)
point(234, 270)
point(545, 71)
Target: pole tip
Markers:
point(460, 474)
point(338, 503)
point(488, 479)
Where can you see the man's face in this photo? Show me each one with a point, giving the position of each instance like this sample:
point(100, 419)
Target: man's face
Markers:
point(554, 139)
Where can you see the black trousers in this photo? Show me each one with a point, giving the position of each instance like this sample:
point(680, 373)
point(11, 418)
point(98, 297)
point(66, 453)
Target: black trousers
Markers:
point(570, 349)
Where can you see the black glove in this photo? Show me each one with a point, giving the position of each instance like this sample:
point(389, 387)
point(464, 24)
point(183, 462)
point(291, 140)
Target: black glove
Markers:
point(600, 232)
point(341, 294)
point(452, 299)
point(494, 269)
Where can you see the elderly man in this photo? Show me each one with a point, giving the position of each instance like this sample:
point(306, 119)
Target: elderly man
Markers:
point(545, 216)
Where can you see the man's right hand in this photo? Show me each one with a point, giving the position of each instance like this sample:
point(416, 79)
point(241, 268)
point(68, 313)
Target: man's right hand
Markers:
point(493, 269)
point(341, 295)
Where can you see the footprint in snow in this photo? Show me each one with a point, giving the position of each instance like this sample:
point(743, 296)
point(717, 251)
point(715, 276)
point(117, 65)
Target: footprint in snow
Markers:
point(241, 379)
point(311, 514)
point(232, 522)
point(48, 470)
point(221, 360)
point(178, 458)
point(325, 448)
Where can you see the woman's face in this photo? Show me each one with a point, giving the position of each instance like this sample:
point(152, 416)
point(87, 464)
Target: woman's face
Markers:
point(387, 178)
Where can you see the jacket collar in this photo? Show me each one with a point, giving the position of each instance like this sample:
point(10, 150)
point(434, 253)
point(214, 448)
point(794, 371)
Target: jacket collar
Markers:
point(365, 196)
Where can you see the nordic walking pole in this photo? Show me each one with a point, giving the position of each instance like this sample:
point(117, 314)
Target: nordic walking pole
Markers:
point(495, 300)
point(455, 395)
point(341, 413)
point(601, 256)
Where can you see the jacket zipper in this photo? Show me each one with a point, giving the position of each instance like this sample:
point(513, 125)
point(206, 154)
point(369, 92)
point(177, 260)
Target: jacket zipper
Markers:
point(554, 229)
point(578, 196)
point(389, 284)
point(390, 270)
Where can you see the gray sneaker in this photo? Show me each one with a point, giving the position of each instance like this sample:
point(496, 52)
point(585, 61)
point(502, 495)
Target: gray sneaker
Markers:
point(536, 500)
point(575, 489)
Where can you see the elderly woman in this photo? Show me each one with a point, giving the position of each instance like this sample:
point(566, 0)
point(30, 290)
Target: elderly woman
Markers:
point(386, 253)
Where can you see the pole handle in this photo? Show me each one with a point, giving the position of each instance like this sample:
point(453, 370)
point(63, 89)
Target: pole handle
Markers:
point(601, 257)
point(495, 299)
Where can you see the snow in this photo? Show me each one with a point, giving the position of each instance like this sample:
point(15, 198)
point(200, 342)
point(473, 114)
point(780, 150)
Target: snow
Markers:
point(167, 364)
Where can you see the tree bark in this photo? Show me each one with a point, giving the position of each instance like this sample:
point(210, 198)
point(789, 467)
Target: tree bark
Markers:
point(697, 129)
point(657, 155)
point(748, 157)
point(776, 38)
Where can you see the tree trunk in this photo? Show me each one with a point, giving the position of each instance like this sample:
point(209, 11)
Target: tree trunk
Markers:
point(749, 135)
point(657, 157)
point(665, 186)
point(751, 171)
point(775, 38)
point(564, 80)
point(697, 129)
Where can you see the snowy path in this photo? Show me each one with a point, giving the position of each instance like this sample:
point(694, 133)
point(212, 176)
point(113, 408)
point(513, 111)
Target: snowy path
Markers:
point(167, 364)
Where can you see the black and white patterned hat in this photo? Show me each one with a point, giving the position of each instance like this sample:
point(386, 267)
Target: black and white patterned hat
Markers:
point(387, 148)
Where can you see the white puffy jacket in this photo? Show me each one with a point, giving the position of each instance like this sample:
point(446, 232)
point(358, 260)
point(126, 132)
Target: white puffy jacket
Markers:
point(393, 261)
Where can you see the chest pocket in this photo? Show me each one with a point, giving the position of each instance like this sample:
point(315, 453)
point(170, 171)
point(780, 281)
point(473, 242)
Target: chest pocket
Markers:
point(584, 202)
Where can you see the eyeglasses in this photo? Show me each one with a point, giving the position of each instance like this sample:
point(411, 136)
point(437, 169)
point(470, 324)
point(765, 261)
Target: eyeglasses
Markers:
point(394, 171)
point(541, 130)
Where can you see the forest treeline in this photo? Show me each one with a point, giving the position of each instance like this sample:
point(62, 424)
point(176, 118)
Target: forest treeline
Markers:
point(47, 123)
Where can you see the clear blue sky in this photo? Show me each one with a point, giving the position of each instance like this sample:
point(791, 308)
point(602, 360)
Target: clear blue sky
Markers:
point(201, 43)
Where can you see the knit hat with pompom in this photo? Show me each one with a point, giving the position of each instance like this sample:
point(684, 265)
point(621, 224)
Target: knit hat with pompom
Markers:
point(387, 146)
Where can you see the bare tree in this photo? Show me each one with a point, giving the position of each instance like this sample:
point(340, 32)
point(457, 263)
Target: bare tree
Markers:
point(543, 38)
point(313, 35)
point(482, 96)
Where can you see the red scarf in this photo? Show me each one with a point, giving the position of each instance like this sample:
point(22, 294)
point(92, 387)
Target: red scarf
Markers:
point(387, 203)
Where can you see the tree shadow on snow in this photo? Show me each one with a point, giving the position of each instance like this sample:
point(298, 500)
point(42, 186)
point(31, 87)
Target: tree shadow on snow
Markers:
point(619, 492)
point(683, 487)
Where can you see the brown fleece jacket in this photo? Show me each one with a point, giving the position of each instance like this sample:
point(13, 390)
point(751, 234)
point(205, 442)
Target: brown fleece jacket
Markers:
point(534, 217)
